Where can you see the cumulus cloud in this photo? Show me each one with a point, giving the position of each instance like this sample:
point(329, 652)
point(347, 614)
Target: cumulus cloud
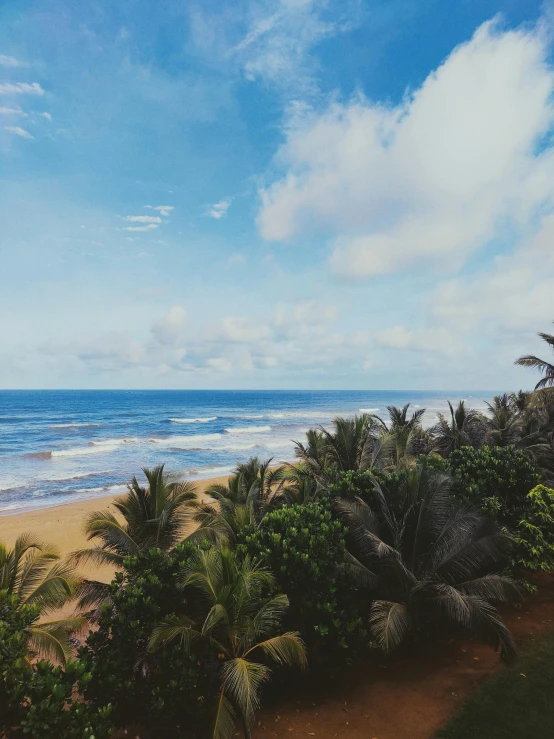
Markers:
point(433, 179)
point(163, 210)
point(219, 210)
point(169, 329)
point(18, 131)
point(242, 330)
point(46, 115)
point(10, 61)
point(147, 227)
point(509, 299)
point(436, 340)
point(12, 111)
point(143, 219)
point(21, 88)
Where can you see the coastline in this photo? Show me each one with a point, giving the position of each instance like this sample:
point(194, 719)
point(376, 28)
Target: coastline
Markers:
point(62, 525)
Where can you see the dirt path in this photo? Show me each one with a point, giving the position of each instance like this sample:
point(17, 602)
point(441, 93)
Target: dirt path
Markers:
point(406, 699)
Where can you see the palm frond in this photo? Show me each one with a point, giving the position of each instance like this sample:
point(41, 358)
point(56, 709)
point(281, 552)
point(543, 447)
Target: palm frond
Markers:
point(51, 640)
point(224, 718)
point(242, 681)
point(174, 628)
point(286, 649)
point(390, 623)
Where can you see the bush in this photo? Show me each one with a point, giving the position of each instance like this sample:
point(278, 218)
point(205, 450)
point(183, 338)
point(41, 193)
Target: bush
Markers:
point(352, 484)
point(42, 701)
point(535, 532)
point(304, 546)
point(165, 690)
point(496, 479)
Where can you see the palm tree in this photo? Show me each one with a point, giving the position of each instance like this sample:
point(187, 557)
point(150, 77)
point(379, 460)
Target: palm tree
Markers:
point(400, 429)
point(32, 572)
point(239, 622)
point(312, 454)
point(152, 516)
point(465, 428)
point(547, 369)
point(252, 482)
point(242, 502)
point(350, 444)
point(429, 561)
point(521, 402)
point(504, 422)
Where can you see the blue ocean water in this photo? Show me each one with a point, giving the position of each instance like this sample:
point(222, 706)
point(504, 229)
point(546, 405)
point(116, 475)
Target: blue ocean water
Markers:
point(62, 446)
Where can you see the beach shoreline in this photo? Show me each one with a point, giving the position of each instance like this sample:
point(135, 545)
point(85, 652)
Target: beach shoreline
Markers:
point(63, 525)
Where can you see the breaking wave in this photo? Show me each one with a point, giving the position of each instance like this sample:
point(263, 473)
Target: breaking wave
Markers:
point(248, 430)
point(193, 420)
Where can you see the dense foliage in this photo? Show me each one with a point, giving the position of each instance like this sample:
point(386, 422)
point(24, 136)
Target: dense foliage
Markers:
point(43, 701)
point(497, 479)
point(34, 575)
point(164, 690)
point(237, 617)
point(428, 562)
point(305, 547)
point(534, 533)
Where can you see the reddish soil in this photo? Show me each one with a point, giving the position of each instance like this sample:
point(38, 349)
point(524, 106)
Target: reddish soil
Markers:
point(406, 698)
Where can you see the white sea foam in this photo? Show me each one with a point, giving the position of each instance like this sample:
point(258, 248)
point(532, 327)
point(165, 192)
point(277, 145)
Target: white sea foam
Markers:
point(368, 410)
point(174, 440)
point(211, 471)
point(193, 420)
point(248, 430)
point(95, 447)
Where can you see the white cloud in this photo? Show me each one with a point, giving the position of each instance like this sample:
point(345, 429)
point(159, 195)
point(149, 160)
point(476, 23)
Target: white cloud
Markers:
point(10, 61)
point(164, 210)
point(281, 35)
point(219, 210)
point(12, 111)
point(242, 330)
point(169, 329)
point(220, 364)
point(46, 115)
point(432, 180)
point(440, 341)
point(20, 88)
point(509, 299)
point(143, 219)
point(18, 131)
point(148, 227)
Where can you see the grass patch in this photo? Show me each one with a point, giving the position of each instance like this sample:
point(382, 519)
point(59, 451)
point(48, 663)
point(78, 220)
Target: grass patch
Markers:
point(510, 705)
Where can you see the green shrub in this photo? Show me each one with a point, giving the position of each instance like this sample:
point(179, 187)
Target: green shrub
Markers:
point(535, 532)
point(352, 484)
point(42, 701)
point(166, 690)
point(304, 546)
point(496, 479)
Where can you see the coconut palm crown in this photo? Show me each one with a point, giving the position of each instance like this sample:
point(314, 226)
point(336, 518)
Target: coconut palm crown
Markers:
point(152, 516)
point(429, 561)
point(241, 624)
point(33, 573)
point(541, 365)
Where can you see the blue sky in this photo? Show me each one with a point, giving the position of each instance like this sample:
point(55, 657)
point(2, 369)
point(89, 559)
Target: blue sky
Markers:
point(285, 194)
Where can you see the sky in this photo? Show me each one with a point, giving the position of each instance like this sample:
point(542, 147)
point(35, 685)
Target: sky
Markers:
point(311, 194)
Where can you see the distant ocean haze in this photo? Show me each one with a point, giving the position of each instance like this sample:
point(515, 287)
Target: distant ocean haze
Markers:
point(63, 446)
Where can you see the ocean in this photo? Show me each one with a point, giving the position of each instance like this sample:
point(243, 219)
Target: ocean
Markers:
point(61, 446)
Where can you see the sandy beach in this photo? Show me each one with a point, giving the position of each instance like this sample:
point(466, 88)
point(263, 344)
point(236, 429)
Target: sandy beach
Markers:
point(63, 525)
